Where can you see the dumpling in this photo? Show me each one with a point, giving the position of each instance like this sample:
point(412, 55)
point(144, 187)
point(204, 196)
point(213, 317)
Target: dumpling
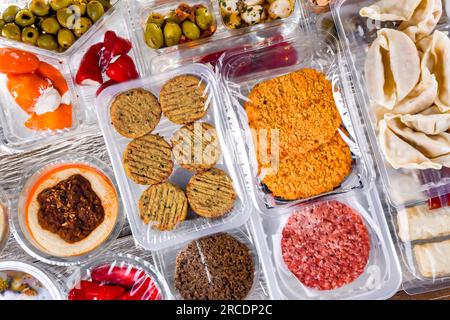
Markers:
point(391, 10)
point(432, 146)
point(423, 21)
point(430, 121)
point(436, 58)
point(401, 154)
point(392, 68)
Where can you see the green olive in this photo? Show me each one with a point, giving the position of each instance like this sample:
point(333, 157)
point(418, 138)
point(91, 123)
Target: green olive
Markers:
point(11, 31)
point(2, 24)
point(154, 36)
point(65, 38)
point(30, 35)
point(172, 33)
point(47, 41)
point(40, 8)
point(50, 25)
point(82, 27)
point(10, 13)
point(38, 22)
point(25, 18)
point(95, 10)
point(68, 17)
point(190, 30)
point(203, 18)
point(156, 18)
point(59, 4)
point(82, 4)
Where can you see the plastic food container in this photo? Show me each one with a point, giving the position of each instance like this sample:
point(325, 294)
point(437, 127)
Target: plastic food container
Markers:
point(404, 187)
point(4, 221)
point(41, 283)
point(14, 135)
point(126, 265)
point(141, 9)
point(194, 226)
point(24, 3)
point(46, 171)
point(241, 70)
point(167, 259)
point(381, 277)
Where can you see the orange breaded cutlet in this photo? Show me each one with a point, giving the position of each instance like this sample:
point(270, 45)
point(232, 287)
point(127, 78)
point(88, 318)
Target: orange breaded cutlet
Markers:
point(300, 105)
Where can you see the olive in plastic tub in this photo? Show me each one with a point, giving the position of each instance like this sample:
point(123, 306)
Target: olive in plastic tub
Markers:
point(191, 225)
point(56, 197)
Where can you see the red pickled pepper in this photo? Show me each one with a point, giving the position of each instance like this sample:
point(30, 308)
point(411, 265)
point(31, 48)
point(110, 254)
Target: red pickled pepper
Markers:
point(123, 69)
point(113, 46)
point(89, 67)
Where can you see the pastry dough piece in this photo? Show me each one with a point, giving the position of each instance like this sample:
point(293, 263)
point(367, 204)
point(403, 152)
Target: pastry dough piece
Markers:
point(418, 100)
point(421, 223)
point(430, 121)
point(401, 154)
point(436, 58)
point(391, 10)
point(433, 259)
point(392, 68)
point(423, 21)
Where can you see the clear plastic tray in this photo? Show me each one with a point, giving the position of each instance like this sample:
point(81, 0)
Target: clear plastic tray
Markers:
point(14, 136)
point(220, 40)
point(53, 287)
point(382, 276)
point(194, 226)
point(4, 205)
point(119, 260)
point(19, 226)
point(404, 187)
point(166, 261)
point(312, 51)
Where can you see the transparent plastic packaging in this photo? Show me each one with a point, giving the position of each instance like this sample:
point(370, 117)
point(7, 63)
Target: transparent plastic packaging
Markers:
point(43, 172)
point(241, 70)
point(404, 187)
point(4, 221)
point(51, 288)
point(14, 136)
point(419, 231)
point(167, 260)
point(194, 226)
point(138, 278)
point(381, 277)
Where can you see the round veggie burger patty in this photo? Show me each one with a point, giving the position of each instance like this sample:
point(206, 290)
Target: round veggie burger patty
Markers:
point(326, 246)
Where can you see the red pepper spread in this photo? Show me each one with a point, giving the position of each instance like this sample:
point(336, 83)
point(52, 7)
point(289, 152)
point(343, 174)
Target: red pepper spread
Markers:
point(71, 209)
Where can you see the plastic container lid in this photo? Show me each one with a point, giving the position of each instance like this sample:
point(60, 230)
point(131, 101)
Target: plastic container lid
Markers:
point(4, 221)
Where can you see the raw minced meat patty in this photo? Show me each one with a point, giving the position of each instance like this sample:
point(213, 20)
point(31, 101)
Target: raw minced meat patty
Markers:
point(326, 246)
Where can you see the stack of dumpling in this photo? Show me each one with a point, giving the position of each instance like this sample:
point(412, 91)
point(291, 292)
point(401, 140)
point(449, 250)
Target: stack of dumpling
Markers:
point(408, 80)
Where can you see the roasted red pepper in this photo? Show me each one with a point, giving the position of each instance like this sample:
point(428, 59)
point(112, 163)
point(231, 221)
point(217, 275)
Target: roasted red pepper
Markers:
point(123, 69)
point(113, 46)
point(99, 292)
point(105, 85)
point(89, 72)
